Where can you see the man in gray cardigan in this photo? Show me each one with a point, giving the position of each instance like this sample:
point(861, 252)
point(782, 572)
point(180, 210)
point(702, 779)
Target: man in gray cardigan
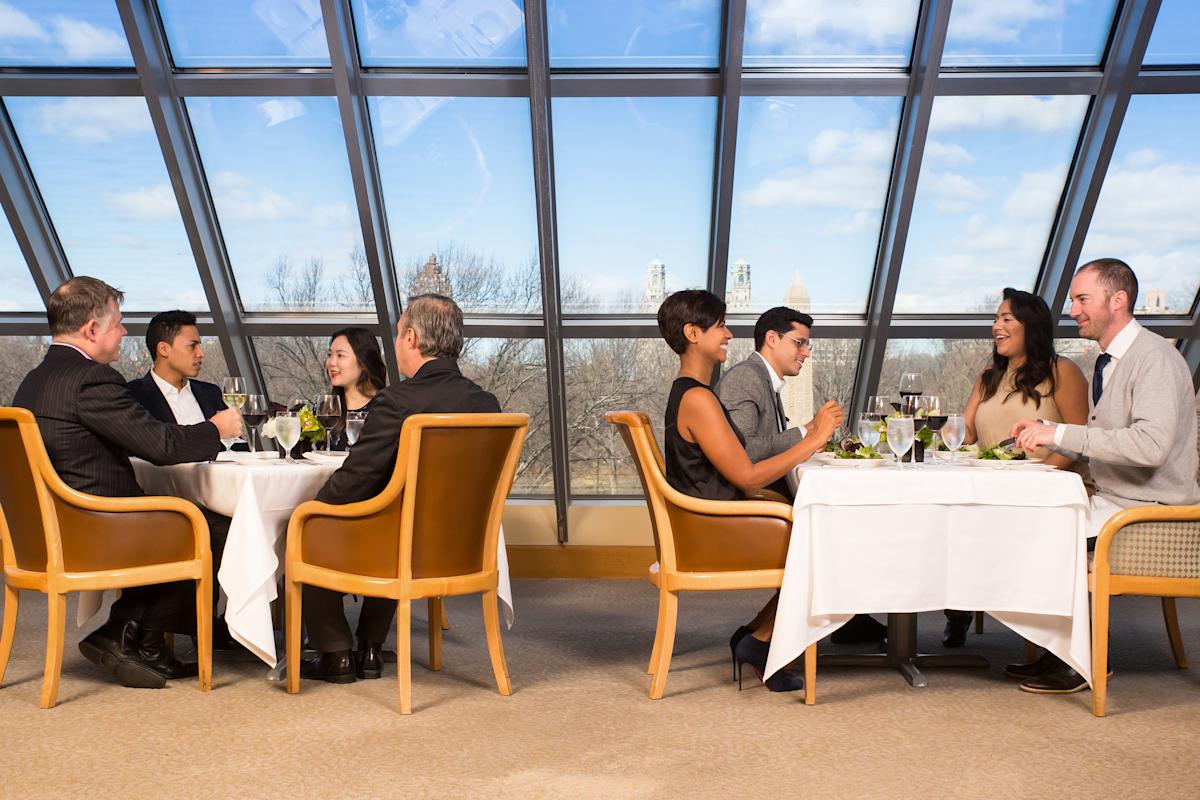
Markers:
point(1140, 438)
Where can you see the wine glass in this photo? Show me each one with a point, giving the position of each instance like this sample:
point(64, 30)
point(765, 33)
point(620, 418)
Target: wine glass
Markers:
point(233, 392)
point(934, 418)
point(354, 425)
point(879, 406)
point(900, 436)
point(910, 384)
point(287, 432)
point(254, 414)
point(953, 434)
point(868, 429)
point(328, 410)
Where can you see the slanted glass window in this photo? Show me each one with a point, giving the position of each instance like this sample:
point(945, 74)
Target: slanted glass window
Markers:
point(245, 33)
point(808, 197)
point(849, 33)
point(458, 180)
point(278, 173)
point(21, 355)
point(18, 292)
point(1176, 36)
point(62, 33)
point(989, 33)
point(1147, 212)
point(440, 33)
point(991, 180)
point(98, 166)
point(948, 367)
point(634, 189)
point(135, 359)
point(828, 374)
point(293, 366)
point(634, 33)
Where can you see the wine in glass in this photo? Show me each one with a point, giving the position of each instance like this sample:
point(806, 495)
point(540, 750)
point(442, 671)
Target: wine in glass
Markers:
point(328, 410)
point(354, 425)
point(878, 406)
point(868, 429)
point(900, 435)
point(287, 431)
point(910, 386)
point(254, 414)
point(233, 392)
point(953, 434)
point(934, 418)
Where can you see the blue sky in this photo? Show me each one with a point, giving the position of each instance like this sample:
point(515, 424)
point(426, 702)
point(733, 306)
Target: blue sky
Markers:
point(20, 293)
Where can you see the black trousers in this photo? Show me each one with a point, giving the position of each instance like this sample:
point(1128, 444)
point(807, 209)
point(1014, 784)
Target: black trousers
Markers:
point(325, 620)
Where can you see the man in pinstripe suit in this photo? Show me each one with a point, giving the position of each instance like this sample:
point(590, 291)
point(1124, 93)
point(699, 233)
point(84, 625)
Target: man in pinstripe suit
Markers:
point(91, 425)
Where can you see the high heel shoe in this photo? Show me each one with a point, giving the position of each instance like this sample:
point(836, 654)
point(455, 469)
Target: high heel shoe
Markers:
point(753, 652)
point(741, 633)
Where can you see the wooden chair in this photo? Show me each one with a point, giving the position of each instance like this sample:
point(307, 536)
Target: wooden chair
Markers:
point(58, 540)
point(432, 532)
point(704, 545)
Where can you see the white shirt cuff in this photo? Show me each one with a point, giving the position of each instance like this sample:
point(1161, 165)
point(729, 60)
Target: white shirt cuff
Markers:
point(803, 431)
point(1059, 432)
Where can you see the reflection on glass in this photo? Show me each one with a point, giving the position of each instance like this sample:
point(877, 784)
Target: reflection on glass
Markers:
point(1082, 351)
point(948, 367)
point(62, 33)
point(18, 292)
point(1146, 214)
point(991, 180)
point(848, 33)
point(1175, 40)
point(278, 174)
point(808, 196)
point(440, 33)
point(21, 354)
point(98, 166)
point(245, 33)
point(634, 189)
point(990, 33)
point(458, 182)
point(634, 33)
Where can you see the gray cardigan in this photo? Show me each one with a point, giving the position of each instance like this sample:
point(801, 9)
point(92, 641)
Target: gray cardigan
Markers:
point(1140, 440)
point(745, 391)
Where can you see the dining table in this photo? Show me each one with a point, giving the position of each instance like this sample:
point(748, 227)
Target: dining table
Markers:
point(1009, 539)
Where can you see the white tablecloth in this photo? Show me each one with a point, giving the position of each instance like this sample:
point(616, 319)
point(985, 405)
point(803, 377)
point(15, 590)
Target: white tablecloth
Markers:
point(1009, 542)
point(259, 499)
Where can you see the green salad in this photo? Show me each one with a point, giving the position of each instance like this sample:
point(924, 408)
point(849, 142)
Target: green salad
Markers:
point(999, 453)
point(860, 451)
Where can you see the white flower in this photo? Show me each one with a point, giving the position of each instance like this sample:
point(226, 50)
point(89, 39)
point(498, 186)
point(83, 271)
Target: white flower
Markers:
point(268, 429)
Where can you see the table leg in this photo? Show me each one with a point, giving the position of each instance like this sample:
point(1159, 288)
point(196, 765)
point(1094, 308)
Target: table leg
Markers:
point(902, 654)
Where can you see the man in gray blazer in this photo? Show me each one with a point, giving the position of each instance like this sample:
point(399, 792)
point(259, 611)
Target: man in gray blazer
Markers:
point(1140, 438)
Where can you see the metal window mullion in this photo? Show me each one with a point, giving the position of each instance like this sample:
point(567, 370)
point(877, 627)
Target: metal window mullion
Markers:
point(538, 56)
point(364, 170)
point(27, 215)
point(1101, 128)
point(929, 41)
point(725, 151)
point(148, 44)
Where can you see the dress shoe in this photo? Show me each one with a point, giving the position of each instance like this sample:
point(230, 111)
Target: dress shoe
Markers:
point(957, 625)
point(329, 667)
point(738, 635)
point(152, 648)
point(113, 646)
point(861, 629)
point(1045, 661)
point(754, 652)
point(1058, 679)
point(368, 661)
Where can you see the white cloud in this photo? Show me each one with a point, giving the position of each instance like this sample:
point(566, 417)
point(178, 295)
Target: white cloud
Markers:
point(858, 222)
point(1036, 114)
point(333, 215)
point(1036, 194)
point(951, 191)
point(1001, 21)
point(833, 145)
point(16, 24)
point(83, 41)
point(240, 200)
point(1149, 208)
point(94, 120)
point(807, 26)
point(1145, 157)
point(952, 155)
point(148, 202)
point(281, 109)
point(849, 169)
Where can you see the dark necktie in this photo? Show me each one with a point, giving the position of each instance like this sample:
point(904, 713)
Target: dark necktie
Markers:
point(1098, 378)
point(780, 416)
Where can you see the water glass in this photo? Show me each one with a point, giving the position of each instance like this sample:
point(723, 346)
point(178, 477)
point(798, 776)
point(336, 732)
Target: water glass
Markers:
point(287, 432)
point(354, 425)
point(868, 429)
point(953, 434)
point(900, 435)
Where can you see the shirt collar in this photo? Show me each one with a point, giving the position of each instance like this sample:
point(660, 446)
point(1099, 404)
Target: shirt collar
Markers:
point(776, 381)
point(167, 389)
point(1121, 343)
point(73, 347)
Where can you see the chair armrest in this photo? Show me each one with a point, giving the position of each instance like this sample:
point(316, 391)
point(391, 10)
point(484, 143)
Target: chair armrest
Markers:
point(768, 494)
point(1132, 516)
point(729, 508)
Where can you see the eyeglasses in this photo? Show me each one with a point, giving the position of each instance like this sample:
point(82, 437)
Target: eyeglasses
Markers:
point(800, 343)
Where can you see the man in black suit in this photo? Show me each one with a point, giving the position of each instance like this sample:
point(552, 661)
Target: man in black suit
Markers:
point(169, 390)
point(91, 426)
point(428, 342)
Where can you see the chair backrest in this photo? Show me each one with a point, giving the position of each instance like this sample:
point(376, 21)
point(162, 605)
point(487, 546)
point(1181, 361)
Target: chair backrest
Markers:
point(459, 471)
point(28, 525)
point(626, 423)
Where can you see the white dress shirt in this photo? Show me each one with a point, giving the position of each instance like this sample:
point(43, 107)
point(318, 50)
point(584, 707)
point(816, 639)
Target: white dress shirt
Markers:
point(182, 402)
point(777, 387)
point(1117, 348)
point(73, 347)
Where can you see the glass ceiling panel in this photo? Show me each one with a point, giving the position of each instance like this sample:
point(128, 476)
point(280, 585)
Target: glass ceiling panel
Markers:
point(808, 197)
point(440, 33)
point(1028, 33)
point(279, 177)
point(18, 292)
point(98, 166)
point(458, 183)
point(634, 195)
point(1176, 37)
point(62, 33)
point(245, 33)
point(991, 180)
point(851, 33)
point(1147, 214)
point(634, 33)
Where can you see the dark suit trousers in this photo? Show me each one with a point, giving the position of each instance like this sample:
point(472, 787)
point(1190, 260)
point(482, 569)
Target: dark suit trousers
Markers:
point(325, 619)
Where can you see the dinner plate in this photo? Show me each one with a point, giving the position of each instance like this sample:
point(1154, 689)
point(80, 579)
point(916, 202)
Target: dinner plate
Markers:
point(1022, 464)
point(857, 462)
point(335, 457)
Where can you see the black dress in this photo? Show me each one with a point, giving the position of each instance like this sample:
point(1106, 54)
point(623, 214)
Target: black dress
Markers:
point(688, 469)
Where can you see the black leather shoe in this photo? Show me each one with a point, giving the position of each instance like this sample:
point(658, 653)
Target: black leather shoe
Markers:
point(1045, 661)
point(329, 667)
point(152, 648)
point(368, 661)
point(861, 629)
point(957, 625)
point(754, 652)
point(1059, 679)
point(113, 646)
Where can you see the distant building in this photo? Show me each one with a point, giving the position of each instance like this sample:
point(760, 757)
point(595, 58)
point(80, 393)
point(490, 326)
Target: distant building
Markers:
point(1156, 303)
point(797, 394)
point(737, 293)
point(432, 279)
point(656, 286)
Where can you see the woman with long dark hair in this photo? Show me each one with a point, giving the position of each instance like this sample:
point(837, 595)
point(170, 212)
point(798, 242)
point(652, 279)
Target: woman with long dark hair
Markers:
point(356, 372)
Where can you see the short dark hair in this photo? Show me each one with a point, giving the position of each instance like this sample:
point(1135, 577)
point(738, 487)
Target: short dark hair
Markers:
point(77, 302)
point(438, 322)
point(690, 306)
point(165, 326)
point(1116, 276)
point(779, 319)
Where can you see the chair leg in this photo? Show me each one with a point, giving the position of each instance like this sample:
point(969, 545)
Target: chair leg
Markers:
point(979, 622)
point(404, 653)
point(1168, 607)
point(657, 649)
point(292, 592)
point(55, 633)
point(12, 599)
point(810, 675)
point(434, 605)
point(491, 625)
point(1031, 652)
point(445, 618)
point(1099, 652)
point(669, 601)
point(204, 632)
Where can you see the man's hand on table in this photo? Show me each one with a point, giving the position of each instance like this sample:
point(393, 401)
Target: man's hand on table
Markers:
point(1031, 434)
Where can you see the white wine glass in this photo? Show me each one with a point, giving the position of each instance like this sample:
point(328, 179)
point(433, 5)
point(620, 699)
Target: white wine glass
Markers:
point(287, 432)
point(953, 434)
point(900, 436)
point(233, 392)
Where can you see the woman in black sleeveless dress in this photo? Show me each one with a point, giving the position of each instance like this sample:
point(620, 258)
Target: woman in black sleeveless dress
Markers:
point(704, 451)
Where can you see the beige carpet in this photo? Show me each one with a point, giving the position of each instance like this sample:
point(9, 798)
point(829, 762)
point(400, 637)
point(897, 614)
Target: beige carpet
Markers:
point(579, 725)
